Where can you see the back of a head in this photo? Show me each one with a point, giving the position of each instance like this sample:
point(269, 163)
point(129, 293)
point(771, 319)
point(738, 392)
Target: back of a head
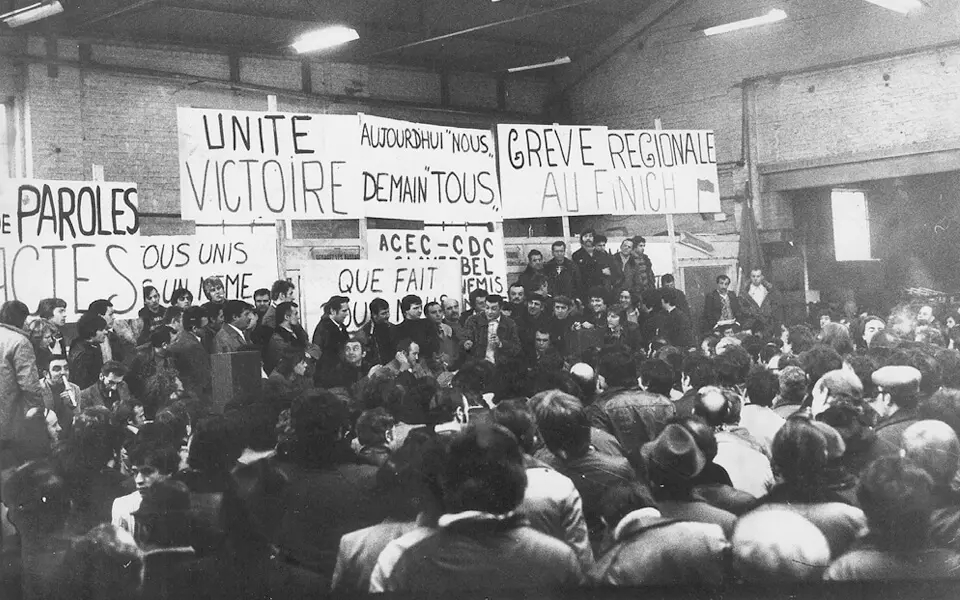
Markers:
point(372, 426)
point(484, 471)
point(703, 435)
point(779, 545)
point(931, 376)
point(14, 313)
point(864, 366)
point(933, 446)
point(799, 452)
point(623, 499)
point(837, 336)
point(164, 517)
point(819, 360)
point(38, 499)
point(897, 497)
point(193, 318)
point(800, 338)
point(762, 386)
point(410, 479)
point(619, 370)
point(586, 378)
point(950, 366)
point(712, 404)
point(793, 385)
point(562, 422)
point(518, 419)
point(657, 376)
point(319, 420)
point(943, 406)
point(215, 446)
point(104, 564)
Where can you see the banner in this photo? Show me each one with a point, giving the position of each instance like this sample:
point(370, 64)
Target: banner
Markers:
point(245, 166)
point(244, 262)
point(477, 252)
point(70, 240)
point(364, 280)
point(426, 172)
point(558, 170)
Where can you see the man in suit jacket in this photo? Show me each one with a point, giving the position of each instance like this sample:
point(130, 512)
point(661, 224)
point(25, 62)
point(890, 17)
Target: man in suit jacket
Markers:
point(625, 270)
point(331, 335)
point(232, 336)
point(760, 304)
point(714, 307)
point(377, 336)
point(676, 327)
point(491, 333)
point(190, 358)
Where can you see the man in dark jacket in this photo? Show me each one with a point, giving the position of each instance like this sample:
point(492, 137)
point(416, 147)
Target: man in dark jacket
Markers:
point(331, 334)
point(480, 544)
point(625, 272)
point(720, 305)
point(416, 328)
point(676, 327)
point(760, 305)
point(896, 402)
point(647, 279)
point(288, 333)
point(86, 357)
point(378, 334)
point(592, 266)
point(529, 279)
point(491, 334)
point(190, 357)
point(563, 277)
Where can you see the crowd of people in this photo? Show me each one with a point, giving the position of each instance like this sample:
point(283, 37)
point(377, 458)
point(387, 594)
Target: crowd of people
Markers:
point(582, 431)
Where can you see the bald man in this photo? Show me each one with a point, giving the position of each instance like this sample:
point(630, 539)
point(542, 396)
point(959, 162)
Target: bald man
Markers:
point(933, 446)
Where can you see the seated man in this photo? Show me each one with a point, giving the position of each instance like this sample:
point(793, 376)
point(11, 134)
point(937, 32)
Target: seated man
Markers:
point(482, 543)
point(109, 389)
point(348, 370)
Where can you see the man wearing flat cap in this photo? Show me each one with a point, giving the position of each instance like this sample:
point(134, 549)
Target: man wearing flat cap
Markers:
point(898, 388)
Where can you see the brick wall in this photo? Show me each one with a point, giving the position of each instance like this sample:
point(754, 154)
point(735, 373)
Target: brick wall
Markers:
point(127, 121)
point(692, 81)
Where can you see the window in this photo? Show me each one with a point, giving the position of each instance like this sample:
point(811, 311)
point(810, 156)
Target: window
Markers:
point(851, 225)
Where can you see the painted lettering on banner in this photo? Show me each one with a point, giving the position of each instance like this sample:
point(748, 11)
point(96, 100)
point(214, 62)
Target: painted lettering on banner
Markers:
point(579, 170)
point(70, 240)
point(245, 166)
point(477, 252)
point(364, 280)
point(428, 173)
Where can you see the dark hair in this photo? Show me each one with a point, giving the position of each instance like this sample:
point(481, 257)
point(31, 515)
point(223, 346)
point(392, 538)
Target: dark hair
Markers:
point(667, 278)
point(173, 313)
point(147, 290)
point(372, 426)
point(105, 563)
point(100, 307)
point(46, 307)
point(801, 338)
point(558, 244)
point(897, 498)
point(160, 336)
point(598, 291)
point(477, 293)
point(40, 493)
point(657, 376)
point(193, 317)
point(212, 310)
point(409, 481)
point(14, 313)
point(495, 298)
point(944, 405)
point(234, 309)
point(89, 324)
point(215, 445)
point(517, 417)
point(334, 303)
point(318, 419)
point(722, 278)
point(533, 253)
point(950, 366)
point(638, 239)
point(291, 357)
point(164, 517)
point(261, 292)
point(179, 293)
point(377, 305)
point(283, 310)
point(818, 361)
point(762, 386)
point(670, 296)
point(426, 307)
point(112, 367)
point(562, 422)
point(864, 366)
point(799, 452)
point(619, 369)
point(410, 300)
point(484, 471)
point(280, 287)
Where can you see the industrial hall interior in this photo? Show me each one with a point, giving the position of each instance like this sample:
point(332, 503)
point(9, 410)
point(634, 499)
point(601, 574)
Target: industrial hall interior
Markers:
point(479, 298)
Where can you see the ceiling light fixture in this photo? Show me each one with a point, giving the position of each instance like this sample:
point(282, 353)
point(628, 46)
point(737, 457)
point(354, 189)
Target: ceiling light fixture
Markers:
point(322, 39)
point(900, 6)
point(31, 13)
point(771, 17)
point(563, 60)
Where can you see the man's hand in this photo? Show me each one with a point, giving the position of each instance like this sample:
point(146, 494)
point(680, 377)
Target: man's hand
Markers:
point(467, 345)
point(606, 271)
point(587, 325)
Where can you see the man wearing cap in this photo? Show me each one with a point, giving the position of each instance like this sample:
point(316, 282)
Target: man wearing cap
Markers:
point(672, 461)
point(898, 394)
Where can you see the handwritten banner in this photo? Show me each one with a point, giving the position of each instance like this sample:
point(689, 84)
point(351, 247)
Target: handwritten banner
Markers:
point(244, 166)
point(71, 240)
point(364, 280)
point(426, 172)
point(477, 252)
point(572, 170)
point(244, 262)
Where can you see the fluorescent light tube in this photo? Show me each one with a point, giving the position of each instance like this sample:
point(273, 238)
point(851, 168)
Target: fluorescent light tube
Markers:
point(321, 39)
point(900, 6)
point(563, 60)
point(771, 17)
point(34, 12)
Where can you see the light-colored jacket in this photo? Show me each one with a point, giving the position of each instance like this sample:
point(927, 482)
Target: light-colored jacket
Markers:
point(553, 506)
point(19, 380)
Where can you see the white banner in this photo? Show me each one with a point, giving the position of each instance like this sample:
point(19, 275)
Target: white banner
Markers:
point(70, 240)
point(549, 171)
point(246, 166)
point(244, 262)
point(364, 280)
point(477, 252)
point(428, 173)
